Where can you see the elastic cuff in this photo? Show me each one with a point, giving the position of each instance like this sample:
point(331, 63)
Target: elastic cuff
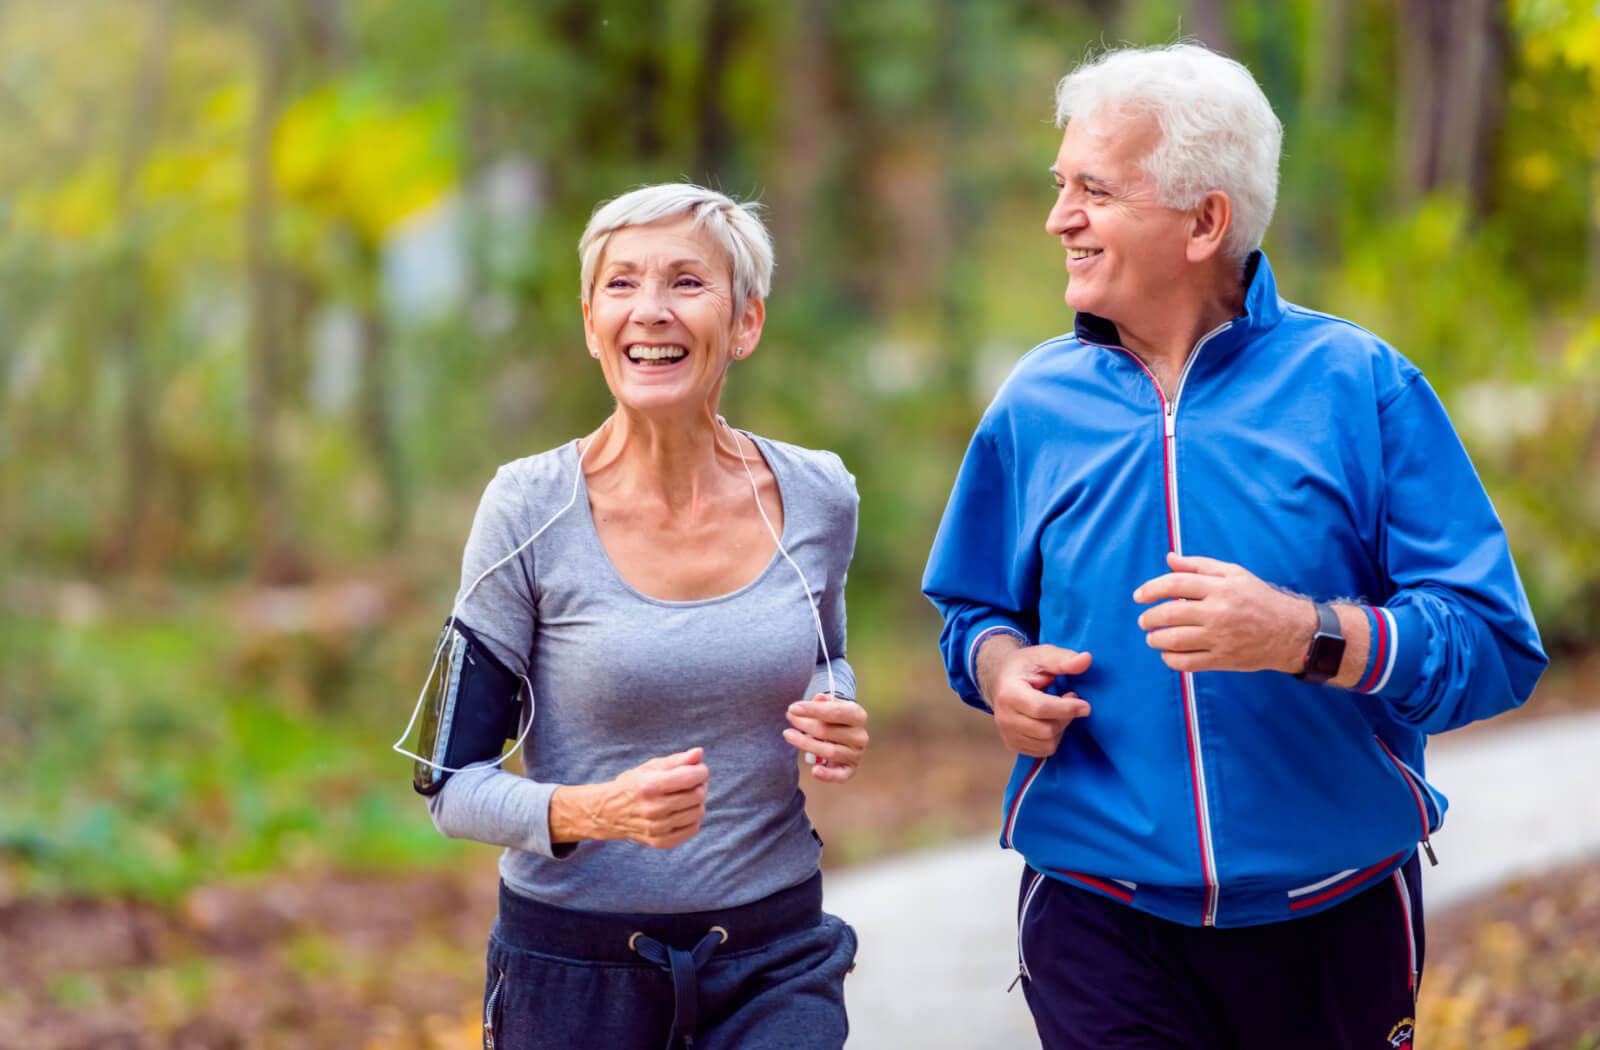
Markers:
point(844, 680)
point(980, 635)
point(1395, 650)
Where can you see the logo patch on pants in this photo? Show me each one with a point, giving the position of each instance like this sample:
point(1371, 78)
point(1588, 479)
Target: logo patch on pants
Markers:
point(1400, 1035)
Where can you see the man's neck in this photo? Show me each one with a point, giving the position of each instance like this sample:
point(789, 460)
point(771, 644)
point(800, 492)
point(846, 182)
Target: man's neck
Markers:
point(1166, 341)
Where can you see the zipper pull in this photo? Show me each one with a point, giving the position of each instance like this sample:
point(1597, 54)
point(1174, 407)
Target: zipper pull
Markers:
point(1426, 848)
point(1172, 419)
point(1022, 972)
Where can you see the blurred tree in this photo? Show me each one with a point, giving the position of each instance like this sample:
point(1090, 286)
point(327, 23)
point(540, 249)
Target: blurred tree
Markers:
point(126, 283)
point(1452, 57)
point(274, 559)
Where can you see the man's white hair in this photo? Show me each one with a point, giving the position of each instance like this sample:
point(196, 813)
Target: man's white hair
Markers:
point(1218, 131)
point(736, 226)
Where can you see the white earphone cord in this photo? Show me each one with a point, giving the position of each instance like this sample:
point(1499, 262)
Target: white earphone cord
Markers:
point(577, 479)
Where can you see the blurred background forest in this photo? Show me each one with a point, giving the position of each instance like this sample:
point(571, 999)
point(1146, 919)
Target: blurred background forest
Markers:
point(283, 281)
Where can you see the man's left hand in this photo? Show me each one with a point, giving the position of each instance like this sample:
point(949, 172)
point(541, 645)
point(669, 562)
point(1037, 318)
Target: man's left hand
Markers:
point(1226, 619)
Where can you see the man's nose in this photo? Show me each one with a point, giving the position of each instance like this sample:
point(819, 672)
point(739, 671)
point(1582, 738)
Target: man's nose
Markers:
point(1065, 216)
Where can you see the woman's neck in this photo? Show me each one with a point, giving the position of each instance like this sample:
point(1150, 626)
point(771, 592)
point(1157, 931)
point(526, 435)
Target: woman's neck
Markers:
point(677, 463)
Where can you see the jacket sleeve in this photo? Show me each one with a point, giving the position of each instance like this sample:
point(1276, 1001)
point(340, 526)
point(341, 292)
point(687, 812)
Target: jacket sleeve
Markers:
point(1454, 640)
point(983, 572)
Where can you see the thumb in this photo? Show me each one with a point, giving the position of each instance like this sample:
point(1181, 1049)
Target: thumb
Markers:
point(1062, 661)
point(690, 757)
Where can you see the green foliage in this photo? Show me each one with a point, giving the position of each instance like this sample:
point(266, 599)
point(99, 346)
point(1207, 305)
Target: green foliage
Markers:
point(900, 147)
point(173, 752)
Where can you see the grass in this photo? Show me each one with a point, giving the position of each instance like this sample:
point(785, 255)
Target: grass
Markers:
point(154, 755)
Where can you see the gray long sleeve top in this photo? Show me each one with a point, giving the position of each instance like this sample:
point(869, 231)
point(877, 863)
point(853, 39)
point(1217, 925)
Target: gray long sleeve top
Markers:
point(620, 677)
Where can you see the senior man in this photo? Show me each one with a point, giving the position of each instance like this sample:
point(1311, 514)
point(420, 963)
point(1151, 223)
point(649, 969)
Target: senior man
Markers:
point(1217, 564)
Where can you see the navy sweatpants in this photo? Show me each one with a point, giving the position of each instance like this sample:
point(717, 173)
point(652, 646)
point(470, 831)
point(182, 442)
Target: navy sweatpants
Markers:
point(1100, 975)
point(768, 974)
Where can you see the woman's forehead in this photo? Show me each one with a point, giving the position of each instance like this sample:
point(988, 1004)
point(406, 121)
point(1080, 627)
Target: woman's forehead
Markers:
point(674, 240)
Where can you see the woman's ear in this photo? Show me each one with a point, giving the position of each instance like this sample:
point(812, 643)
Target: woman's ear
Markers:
point(747, 329)
point(1208, 229)
point(589, 337)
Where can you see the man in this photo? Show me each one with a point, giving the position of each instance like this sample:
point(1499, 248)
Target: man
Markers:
point(1247, 535)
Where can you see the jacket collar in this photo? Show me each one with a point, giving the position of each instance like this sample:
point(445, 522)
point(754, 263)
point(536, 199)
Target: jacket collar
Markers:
point(1263, 309)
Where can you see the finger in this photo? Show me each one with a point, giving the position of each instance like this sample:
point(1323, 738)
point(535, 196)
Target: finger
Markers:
point(1172, 614)
point(830, 751)
point(663, 782)
point(831, 710)
point(1197, 563)
point(1189, 585)
point(1056, 660)
point(1180, 639)
point(1202, 660)
point(675, 833)
point(659, 806)
point(683, 758)
point(828, 730)
point(1046, 708)
point(834, 774)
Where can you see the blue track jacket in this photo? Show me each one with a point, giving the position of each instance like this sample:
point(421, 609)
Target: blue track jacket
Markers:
point(1313, 454)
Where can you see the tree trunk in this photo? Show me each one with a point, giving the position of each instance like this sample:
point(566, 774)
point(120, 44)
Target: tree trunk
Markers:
point(711, 158)
point(137, 446)
point(374, 410)
point(273, 562)
point(1451, 80)
point(1209, 22)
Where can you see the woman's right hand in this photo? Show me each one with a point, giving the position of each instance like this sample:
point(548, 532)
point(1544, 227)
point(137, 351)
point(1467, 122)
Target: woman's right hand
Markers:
point(659, 803)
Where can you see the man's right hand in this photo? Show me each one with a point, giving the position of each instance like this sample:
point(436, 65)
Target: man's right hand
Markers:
point(1012, 678)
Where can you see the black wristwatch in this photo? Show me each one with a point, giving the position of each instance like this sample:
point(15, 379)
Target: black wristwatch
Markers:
point(1327, 648)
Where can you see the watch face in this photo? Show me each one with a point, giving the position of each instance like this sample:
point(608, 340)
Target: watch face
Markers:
point(1327, 652)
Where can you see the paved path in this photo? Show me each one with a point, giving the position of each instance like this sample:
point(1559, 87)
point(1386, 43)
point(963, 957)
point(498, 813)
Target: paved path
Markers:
point(938, 934)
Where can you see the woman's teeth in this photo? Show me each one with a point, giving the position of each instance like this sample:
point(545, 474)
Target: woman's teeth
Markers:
point(640, 352)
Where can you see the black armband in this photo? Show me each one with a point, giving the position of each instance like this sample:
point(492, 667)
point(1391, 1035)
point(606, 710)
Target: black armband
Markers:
point(471, 708)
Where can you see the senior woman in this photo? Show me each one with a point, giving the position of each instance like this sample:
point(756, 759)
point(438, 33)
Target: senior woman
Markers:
point(656, 611)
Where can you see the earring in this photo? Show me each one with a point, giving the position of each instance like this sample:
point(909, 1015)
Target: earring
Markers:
point(594, 353)
point(738, 351)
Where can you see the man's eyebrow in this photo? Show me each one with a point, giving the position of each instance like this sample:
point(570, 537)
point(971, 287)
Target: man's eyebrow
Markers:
point(1082, 176)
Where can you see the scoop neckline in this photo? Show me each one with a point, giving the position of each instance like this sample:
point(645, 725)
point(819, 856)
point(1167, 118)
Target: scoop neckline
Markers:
point(593, 535)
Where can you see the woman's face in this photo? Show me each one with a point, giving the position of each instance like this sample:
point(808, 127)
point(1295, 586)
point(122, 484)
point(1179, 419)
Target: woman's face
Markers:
point(660, 318)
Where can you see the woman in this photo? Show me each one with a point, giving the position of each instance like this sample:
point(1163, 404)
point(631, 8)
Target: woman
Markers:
point(660, 883)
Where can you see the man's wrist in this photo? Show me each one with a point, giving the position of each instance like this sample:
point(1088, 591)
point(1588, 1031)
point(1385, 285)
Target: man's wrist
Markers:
point(990, 651)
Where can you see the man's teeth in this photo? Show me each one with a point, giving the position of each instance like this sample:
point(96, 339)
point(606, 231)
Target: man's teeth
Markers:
point(655, 353)
point(1081, 253)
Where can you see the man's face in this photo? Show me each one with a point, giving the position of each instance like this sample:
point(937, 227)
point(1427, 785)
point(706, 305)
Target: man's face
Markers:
point(1125, 251)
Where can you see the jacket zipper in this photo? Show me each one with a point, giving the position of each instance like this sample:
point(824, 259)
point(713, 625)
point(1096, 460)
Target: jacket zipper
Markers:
point(1006, 841)
point(1022, 918)
point(1412, 781)
point(489, 1012)
point(1191, 713)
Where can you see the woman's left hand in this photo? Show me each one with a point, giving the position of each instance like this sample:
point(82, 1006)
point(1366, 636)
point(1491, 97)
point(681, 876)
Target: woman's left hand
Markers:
point(834, 730)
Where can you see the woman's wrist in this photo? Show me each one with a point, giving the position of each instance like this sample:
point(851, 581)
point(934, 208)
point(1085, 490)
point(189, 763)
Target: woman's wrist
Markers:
point(572, 809)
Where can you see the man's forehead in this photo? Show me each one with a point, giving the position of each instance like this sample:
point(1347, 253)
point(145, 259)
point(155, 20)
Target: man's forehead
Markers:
point(1105, 137)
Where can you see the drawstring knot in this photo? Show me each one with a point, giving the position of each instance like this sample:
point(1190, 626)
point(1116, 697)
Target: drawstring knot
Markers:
point(683, 967)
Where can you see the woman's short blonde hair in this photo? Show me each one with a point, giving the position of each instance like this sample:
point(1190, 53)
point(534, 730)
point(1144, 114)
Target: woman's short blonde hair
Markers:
point(735, 225)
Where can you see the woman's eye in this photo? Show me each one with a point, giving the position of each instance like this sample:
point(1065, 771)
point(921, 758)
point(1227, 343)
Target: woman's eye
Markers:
point(689, 282)
point(617, 282)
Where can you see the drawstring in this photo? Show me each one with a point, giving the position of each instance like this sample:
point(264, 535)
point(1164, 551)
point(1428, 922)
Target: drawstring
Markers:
point(682, 966)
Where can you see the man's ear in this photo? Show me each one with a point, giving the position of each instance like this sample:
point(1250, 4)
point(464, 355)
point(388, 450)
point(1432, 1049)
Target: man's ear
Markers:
point(1209, 225)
